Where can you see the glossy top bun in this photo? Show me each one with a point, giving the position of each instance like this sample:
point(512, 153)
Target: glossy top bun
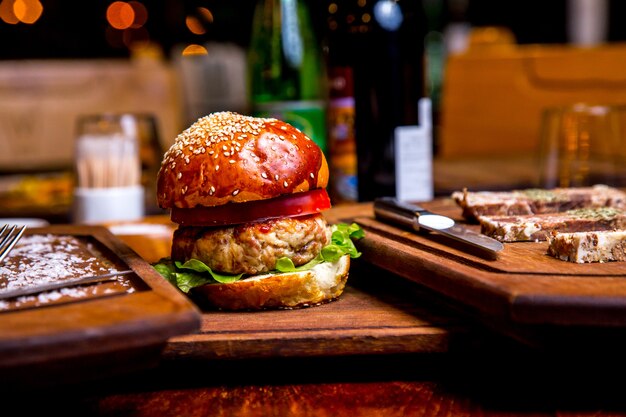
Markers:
point(227, 157)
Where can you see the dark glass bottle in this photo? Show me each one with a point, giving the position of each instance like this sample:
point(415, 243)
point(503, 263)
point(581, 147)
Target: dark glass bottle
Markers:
point(286, 69)
point(382, 41)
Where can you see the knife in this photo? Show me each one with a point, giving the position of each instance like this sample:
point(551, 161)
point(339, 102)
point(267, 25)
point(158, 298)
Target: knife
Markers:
point(392, 210)
point(21, 292)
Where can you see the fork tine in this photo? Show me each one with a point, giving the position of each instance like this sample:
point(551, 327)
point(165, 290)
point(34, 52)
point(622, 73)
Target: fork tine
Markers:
point(10, 240)
point(7, 236)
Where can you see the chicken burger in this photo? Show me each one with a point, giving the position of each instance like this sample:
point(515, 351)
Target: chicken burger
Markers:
point(248, 195)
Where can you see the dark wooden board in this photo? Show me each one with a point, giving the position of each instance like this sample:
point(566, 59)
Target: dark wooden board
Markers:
point(107, 329)
point(378, 313)
point(523, 286)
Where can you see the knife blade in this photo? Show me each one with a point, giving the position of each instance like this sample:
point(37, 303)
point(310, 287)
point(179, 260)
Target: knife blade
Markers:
point(392, 210)
point(21, 292)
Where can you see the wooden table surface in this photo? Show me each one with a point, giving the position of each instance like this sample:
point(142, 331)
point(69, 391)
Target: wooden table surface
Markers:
point(479, 373)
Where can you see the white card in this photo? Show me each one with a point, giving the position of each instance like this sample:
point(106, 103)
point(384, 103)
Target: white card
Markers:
point(414, 158)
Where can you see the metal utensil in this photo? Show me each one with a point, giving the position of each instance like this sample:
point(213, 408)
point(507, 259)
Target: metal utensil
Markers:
point(392, 210)
point(20, 292)
point(9, 235)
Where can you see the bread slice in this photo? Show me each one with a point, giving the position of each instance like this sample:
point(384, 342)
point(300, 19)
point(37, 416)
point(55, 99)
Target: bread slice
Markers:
point(536, 201)
point(538, 227)
point(322, 283)
point(581, 247)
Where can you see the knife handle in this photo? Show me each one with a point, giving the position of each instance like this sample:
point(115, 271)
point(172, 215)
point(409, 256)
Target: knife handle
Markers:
point(395, 211)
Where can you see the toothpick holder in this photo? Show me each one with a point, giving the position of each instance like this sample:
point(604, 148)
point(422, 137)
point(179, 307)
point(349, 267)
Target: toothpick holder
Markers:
point(108, 170)
point(102, 205)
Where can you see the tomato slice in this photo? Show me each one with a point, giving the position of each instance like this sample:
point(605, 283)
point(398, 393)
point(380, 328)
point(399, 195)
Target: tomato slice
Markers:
point(292, 205)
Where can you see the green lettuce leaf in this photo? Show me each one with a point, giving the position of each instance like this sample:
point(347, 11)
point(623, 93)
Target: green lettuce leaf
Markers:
point(195, 273)
point(190, 274)
point(201, 267)
point(286, 265)
point(341, 242)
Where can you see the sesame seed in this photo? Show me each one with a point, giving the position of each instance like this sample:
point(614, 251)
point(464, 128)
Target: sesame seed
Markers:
point(180, 175)
point(232, 161)
point(226, 153)
point(276, 177)
point(212, 190)
point(285, 184)
point(225, 130)
point(235, 192)
point(264, 175)
point(312, 176)
point(217, 167)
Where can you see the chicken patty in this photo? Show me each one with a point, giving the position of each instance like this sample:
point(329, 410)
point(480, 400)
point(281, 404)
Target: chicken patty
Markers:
point(252, 248)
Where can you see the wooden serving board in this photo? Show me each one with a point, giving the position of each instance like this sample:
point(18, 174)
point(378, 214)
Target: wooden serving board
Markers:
point(378, 313)
point(523, 286)
point(88, 331)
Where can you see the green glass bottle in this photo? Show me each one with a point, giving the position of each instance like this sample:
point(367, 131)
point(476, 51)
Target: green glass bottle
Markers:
point(286, 72)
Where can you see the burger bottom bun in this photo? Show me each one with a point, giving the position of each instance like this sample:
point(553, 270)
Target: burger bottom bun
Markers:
point(323, 282)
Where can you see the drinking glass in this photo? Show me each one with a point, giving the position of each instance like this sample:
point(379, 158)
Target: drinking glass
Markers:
point(582, 145)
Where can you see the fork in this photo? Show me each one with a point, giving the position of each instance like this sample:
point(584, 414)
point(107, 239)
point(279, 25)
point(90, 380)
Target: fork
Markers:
point(9, 235)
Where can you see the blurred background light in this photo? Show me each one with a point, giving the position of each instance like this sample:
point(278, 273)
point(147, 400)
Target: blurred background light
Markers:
point(120, 15)
point(27, 11)
point(141, 14)
point(194, 25)
point(205, 14)
point(6, 12)
point(24, 11)
point(194, 49)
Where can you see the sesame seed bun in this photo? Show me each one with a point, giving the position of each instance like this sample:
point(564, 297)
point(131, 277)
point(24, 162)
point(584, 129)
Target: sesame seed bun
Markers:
point(227, 157)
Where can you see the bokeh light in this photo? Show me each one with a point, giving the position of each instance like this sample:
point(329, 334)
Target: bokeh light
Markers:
point(194, 49)
point(197, 23)
point(6, 12)
point(16, 11)
point(120, 15)
point(127, 24)
point(194, 25)
point(141, 14)
point(205, 14)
